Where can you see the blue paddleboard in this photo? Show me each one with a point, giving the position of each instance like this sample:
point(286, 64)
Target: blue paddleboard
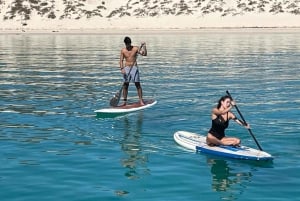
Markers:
point(197, 142)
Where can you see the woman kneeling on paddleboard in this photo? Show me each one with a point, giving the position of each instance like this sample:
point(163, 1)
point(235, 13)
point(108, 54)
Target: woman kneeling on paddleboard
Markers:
point(220, 120)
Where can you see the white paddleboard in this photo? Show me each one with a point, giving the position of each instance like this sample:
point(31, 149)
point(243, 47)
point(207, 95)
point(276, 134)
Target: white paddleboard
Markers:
point(197, 142)
point(130, 107)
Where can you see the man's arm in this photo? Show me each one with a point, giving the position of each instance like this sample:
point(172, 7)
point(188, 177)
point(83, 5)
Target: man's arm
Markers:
point(121, 60)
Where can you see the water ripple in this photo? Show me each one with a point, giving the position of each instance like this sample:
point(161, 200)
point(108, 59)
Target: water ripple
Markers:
point(54, 145)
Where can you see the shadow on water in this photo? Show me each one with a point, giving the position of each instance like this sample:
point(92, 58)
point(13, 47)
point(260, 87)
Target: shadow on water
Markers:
point(231, 177)
point(134, 160)
point(109, 116)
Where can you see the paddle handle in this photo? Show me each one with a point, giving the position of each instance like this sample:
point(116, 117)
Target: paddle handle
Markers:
point(237, 109)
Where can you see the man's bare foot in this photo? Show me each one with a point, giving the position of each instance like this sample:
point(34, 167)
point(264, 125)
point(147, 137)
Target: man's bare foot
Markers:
point(142, 102)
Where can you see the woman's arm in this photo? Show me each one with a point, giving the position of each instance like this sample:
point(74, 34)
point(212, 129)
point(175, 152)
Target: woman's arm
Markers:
point(238, 121)
point(218, 112)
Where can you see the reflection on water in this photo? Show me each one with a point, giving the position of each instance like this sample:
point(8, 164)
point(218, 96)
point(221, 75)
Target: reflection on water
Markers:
point(228, 179)
point(134, 159)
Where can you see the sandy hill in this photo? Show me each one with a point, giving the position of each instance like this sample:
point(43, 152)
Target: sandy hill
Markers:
point(147, 14)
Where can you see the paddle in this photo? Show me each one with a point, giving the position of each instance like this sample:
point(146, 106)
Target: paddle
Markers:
point(114, 101)
point(245, 122)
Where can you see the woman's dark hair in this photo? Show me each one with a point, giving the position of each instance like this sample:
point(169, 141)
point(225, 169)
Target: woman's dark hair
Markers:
point(222, 99)
point(127, 40)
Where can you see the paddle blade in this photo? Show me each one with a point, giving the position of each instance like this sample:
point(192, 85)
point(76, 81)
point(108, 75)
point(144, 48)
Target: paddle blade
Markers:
point(114, 101)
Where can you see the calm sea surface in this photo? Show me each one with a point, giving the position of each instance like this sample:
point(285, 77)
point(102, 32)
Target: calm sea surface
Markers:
point(54, 147)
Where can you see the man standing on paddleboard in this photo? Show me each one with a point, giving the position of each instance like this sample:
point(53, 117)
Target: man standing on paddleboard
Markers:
point(130, 70)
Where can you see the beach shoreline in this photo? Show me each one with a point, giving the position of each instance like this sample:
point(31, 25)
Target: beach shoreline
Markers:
point(151, 30)
point(164, 24)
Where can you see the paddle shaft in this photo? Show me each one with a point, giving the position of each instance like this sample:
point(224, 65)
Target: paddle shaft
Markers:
point(237, 109)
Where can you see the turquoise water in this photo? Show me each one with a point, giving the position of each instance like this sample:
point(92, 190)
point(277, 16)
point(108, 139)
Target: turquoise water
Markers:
point(53, 147)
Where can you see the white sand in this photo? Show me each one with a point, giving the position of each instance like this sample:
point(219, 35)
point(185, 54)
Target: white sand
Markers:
point(152, 24)
point(145, 24)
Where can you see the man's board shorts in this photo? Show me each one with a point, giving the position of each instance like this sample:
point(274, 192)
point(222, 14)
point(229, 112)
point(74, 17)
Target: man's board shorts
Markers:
point(131, 74)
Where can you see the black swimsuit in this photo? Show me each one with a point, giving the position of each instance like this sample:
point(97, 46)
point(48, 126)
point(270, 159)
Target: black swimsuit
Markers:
point(218, 126)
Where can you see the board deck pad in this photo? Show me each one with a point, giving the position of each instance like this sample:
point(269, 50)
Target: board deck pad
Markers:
point(134, 105)
point(194, 141)
point(124, 109)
